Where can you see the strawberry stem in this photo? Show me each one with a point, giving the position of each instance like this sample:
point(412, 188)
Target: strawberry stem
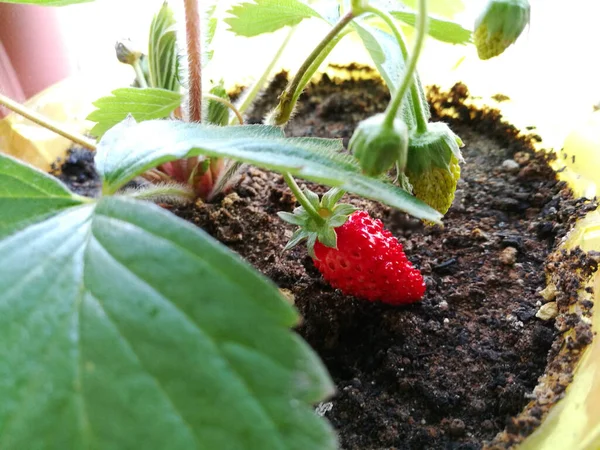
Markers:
point(286, 100)
point(409, 74)
point(302, 199)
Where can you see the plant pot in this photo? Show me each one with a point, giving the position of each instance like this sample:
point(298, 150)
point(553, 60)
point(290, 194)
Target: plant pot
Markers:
point(407, 401)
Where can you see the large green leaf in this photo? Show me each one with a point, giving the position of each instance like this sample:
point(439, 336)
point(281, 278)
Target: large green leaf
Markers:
point(387, 57)
point(440, 29)
point(123, 327)
point(142, 104)
point(130, 149)
point(443, 8)
point(265, 16)
point(162, 50)
point(46, 2)
point(27, 195)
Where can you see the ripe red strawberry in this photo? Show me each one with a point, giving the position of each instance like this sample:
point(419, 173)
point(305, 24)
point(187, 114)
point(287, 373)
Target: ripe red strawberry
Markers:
point(369, 263)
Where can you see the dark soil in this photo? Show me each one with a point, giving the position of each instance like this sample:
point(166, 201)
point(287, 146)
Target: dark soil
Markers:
point(451, 371)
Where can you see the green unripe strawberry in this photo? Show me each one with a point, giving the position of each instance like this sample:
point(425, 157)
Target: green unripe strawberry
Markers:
point(433, 165)
point(437, 186)
point(378, 145)
point(499, 25)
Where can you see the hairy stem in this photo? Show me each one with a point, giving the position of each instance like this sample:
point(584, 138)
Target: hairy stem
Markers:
point(302, 198)
point(46, 123)
point(164, 192)
point(410, 81)
point(286, 103)
point(194, 53)
point(317, 63)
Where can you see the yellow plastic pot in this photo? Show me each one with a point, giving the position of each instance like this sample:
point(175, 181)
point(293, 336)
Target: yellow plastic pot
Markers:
point(574, 423)
point(68, 102)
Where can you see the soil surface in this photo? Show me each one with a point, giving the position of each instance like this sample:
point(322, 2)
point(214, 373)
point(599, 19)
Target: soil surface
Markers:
point(451, 371)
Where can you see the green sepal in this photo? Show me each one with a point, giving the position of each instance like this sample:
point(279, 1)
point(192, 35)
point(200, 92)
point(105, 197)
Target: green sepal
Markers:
point(327, 237)
point(378, 145)
point(292, 218)
point(331, 197)
point(312, 198)
point(344, 209)
point(434, 148)
point(332, 216)
point(298, 236)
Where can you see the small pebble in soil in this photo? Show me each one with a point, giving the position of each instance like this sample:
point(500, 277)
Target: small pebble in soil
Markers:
point(549, 293)
point(457, 427)
point(508, 256)
point(443, 305)
point(548, 311)
point(511, 166)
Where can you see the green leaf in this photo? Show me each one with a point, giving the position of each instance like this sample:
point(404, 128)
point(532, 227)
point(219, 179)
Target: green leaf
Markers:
point(46, 2)
point(124, 327)
point(443, 8)
point(441, 29)
point(28, 195)
point(265, 16)
point(217, 113)
point(131, 149)
point(387, 57)
point(142, 104)
point(162, 50)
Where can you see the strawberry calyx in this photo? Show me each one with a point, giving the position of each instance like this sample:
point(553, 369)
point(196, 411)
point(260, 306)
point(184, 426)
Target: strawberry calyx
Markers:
point(317, 221)
point(434, 148)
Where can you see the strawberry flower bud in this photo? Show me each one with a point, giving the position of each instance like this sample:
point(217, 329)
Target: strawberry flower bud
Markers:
point(433, 165)
point(126, 52)
point(378, 145)
point(499, 26)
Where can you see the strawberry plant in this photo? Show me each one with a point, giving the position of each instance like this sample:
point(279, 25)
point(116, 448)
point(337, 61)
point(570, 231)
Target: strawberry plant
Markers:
point(122, 326)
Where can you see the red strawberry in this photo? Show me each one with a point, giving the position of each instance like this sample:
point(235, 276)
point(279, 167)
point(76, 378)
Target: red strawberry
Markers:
point(369, 263)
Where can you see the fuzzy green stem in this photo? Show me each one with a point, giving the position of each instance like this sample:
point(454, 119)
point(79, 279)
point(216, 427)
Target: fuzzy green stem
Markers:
point(302, 199)
point(410, 74)
point(317, 63)
point(249, 98)
point(286, 100)
point(139, 74)
point(46, 123)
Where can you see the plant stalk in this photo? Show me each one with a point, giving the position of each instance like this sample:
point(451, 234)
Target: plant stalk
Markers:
point(139, 74)
point(256, 88)
point(46, 123)
point(302, 199)
point(286, 100)
point(194, 53)
point(411, 66)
